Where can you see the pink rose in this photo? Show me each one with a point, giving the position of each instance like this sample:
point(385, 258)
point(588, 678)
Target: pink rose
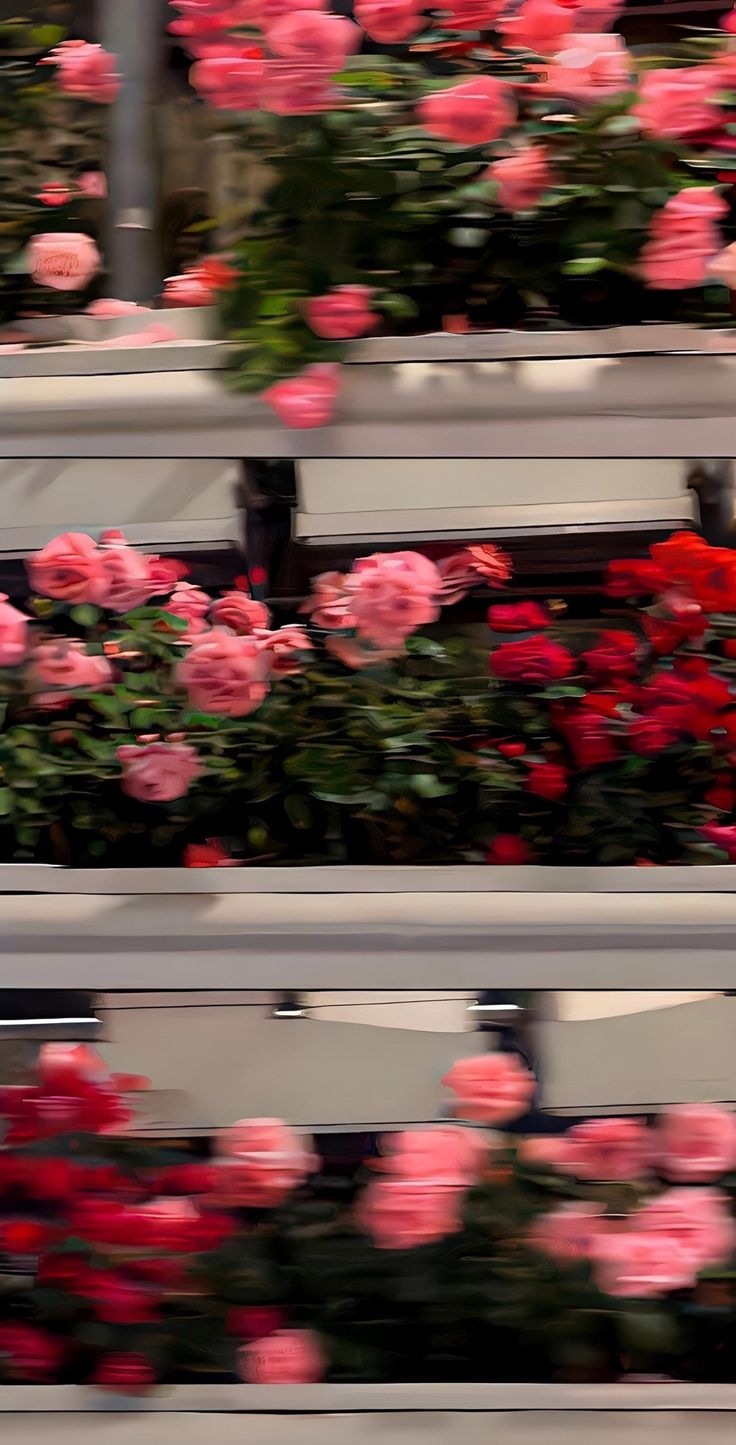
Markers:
point(676, 104)
point(230, 82)
point(605, 1149)
point(108, 308)
point(13, 626)
point(127, 575)
point(491, 1088)
point(389, 21)
point(241, 613)
point(568, 1232)
point(66, 664)
point(641, 1264)
point(596, 15)
point(469, 14)
point(697, 1219)
point(696, 1143)
point(291, 88)
point(539, 26)
point(522, 177)
point(472, 113)
point(393, 593)
point(261, 1162)
point(723, 267)
point(284, 647)
point(331, 601)
point(63, 260)
point(447, 1154)
point(408, 1213)
point(187, 290)
point(307, 400)
point(85, 71)
point(93, 184)
point(312, 36)
point(683, 240)
point(545, 1152)
point(192, 604)
point(288, 1357)
point(474, 566)
point(158, 772)
point(590, 68)
point(54, 193)
point(342, 314)
point(225, 675)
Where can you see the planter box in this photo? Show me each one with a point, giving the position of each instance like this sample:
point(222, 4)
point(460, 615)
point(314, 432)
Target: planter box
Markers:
point(324, 928)
point(497, 394)
point(397, 1415)
point(188, 323)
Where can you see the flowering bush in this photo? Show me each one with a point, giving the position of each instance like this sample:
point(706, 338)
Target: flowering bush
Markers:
point(51, 147)
point(456, 1254)
point(146, 720)
point(496, 162)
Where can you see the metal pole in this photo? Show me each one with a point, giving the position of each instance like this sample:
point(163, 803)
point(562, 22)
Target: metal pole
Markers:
point(133, 32)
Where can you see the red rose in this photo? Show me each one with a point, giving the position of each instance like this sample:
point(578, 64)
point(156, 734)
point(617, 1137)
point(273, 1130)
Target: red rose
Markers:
point(206, 855)
point(24, 1236)
point(588, 735)
point(649, 736)
point(722, 795)
point(614, 655)
point(187, 1179)
point(517, 616)
point(508, 849)
point(634, 577)
point(125, 1372)
point(723, 837)
point(534, 659)
point(705, 573)
point(62, 1271)
point(32, 1354)
point(548, 780)
point(665, 635)
point(512, 750)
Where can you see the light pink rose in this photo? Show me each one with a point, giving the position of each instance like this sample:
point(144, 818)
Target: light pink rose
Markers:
point(472, 113)
point(241, 613)
point(292, 88)
point(696, 1143)
point(389, 21)
point(225, 675)
point(127, 575)
point(407, 1213)
point(331, 601)
point(93, 184)
point(13, 626)
point(158, 772)
point(85, 71)
point(446, 1154)
point(307, 400)
point(683, 240)
point(63, 260)
point(69, 568)
point(676, 104)
point(538, 25)
point(491, 1088)
point(353, 654)
point(546, 1152)
point(260, 1162)
point(605, 1149)
point(65, 664)
point(522, 177)
point(641, 1264)
point(284, 646)
point(230, 82)
point(192, 604)
point(393, 593)
point(313, 36)
point(343, 314)
point(108, 307)
point(590, 68)
point(698, 1219)
point(569, 1231)
point(54, 193)
point(288, 1357)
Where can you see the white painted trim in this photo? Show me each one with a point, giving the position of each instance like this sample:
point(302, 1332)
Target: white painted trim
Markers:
point(329, 1399)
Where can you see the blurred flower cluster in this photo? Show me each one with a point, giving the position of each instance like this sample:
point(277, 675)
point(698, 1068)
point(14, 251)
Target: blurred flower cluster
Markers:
point(455, 1253)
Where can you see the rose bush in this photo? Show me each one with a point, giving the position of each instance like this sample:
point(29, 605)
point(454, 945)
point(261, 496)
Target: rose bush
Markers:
point(456, 1254)
point(147, 720)
point(495, 163)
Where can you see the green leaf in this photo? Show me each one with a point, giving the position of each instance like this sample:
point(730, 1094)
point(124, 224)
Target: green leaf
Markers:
point(85, 614)
point(6, 802)
point(584, 265)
